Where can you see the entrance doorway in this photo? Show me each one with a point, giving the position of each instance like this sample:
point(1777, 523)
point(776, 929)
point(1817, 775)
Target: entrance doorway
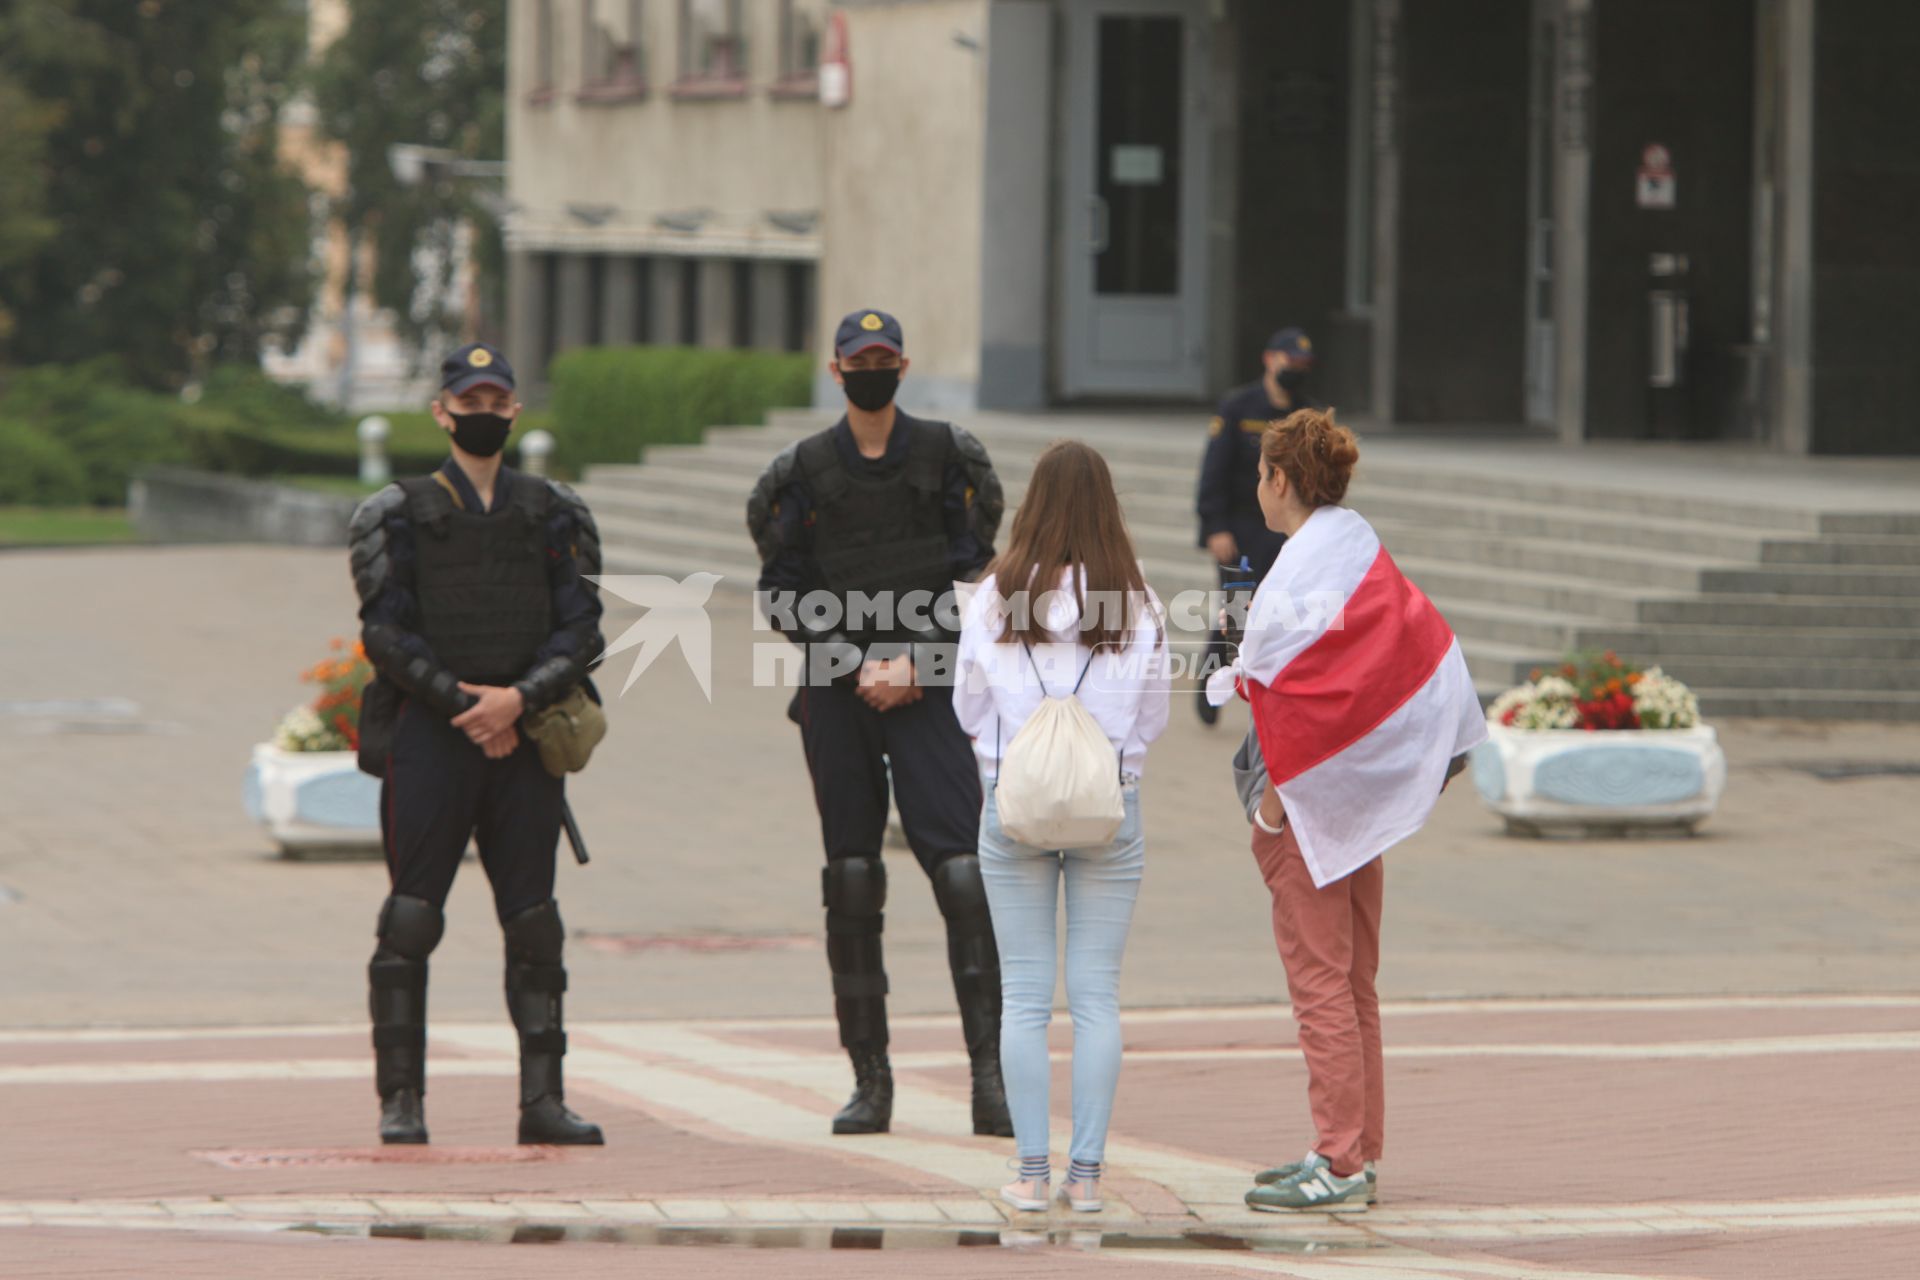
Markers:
point(1133, 309)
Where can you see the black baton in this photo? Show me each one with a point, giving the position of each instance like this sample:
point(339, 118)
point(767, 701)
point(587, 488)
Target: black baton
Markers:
point(574, 837)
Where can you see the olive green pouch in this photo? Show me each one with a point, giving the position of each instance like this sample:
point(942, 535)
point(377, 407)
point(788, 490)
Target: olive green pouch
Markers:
point(567, 732)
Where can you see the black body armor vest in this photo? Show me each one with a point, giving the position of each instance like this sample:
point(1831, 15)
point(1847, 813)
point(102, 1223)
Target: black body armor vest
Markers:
point(874, 534)
point(481, 580)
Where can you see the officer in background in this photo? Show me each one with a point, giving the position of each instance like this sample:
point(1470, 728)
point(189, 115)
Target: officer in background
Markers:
point(1231, 526)
point(474, 612)
point(885, 504)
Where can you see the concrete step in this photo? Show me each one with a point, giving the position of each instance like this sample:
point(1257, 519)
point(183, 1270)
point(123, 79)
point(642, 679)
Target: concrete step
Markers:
point(1842, 549)
point(1884, 582)
point(1847, 612)
point(1809, 704)
point(1539, 593)
point(1673, 644)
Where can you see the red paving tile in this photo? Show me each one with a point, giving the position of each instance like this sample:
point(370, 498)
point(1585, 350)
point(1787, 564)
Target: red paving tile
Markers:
point(1856, 1253)
point(64, 1254)
point(93, 1141)
point(1502, 1130)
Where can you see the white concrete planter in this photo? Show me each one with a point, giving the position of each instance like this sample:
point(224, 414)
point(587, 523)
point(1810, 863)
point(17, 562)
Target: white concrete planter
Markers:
point(1607, 782)
point(316, 804)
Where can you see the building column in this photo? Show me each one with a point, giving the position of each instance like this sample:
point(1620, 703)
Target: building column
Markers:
point(1386, 206)
point(715, 282)
point(1793, 318)
point(669, 289)
point(1572, 193)
point(526, 316)
point(1016, 209)
point(769, 305)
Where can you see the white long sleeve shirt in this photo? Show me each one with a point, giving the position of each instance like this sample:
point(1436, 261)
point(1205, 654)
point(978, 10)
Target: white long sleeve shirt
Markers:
point(996, 686)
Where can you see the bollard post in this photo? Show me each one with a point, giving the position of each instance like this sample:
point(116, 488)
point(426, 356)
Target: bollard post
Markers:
point(373, 431)
point(535, 447)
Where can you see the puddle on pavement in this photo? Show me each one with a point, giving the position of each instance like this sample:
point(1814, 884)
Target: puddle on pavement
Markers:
point(824, 1237)
point(1843, 770)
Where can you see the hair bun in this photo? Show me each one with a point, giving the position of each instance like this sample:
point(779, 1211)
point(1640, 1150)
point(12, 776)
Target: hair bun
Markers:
point(1316, 453)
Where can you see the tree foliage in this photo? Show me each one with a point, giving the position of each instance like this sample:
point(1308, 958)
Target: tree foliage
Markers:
point(181, 239)
point(426, 73)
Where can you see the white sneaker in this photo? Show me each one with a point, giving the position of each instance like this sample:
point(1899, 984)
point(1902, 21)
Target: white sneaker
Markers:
point(1082, 1197)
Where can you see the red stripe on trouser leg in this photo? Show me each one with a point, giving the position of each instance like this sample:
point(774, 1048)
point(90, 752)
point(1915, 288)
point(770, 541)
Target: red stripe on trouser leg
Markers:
point(1329, 942)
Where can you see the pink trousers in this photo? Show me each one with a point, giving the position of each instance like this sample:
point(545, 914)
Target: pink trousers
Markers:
point(1329, 941)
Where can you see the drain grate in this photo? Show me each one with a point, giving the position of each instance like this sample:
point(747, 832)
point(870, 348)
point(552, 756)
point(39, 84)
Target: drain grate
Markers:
point(633, 943)
point(1842, 770)
point(360, 1157)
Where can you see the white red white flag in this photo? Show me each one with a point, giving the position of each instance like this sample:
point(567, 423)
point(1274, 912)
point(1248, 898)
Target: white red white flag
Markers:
point(1360, 694)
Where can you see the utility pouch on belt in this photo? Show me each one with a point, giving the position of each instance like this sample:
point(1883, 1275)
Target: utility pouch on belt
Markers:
point(567, 732)
point(380, 702)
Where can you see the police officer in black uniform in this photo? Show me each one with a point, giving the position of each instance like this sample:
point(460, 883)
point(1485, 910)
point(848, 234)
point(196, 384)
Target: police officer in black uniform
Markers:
point(1231, 526)
point(474, 613)
point(886, 504)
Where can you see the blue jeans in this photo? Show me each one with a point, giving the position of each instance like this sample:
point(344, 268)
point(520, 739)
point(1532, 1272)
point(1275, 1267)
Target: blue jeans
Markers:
point(1022, 889)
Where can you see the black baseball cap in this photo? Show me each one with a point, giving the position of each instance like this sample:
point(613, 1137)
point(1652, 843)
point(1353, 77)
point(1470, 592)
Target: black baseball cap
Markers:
point(1293, 343)
point(473, 365)
point(864, 329)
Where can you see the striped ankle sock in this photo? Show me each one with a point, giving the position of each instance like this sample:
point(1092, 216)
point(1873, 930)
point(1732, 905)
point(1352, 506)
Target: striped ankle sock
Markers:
point(1035, 1169)
point(1083, 1171)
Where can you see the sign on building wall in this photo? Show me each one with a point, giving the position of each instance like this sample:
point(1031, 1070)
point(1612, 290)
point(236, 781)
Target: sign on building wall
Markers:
point(836, 65)
point(1654, 184)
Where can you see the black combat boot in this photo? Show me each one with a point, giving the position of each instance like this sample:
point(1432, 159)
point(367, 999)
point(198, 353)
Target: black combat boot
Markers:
point(870, 1109)
point(535, 981)
point(854, 891)
point(975, 962)
point(409, 929)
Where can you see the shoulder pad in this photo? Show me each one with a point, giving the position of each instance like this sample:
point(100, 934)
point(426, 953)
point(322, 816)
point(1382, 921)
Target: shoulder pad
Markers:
point(373, 511)
point(367, 552)
point(764, 498)
point(986, 499)
point(586, 546)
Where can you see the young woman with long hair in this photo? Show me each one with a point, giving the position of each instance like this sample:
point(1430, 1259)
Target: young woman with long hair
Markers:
point(1065, 606)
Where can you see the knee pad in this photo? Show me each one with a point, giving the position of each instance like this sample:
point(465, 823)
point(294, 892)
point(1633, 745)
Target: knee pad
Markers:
point(410, 927)
point(536, 936)
point(854, 886)
point(958, 888)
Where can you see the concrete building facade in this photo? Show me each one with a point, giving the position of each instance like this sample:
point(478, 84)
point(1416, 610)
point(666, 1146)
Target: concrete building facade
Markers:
point(1602, 219)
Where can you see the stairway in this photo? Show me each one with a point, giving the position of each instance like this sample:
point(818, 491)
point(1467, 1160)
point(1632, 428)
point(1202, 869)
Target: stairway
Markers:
point(1764, 608)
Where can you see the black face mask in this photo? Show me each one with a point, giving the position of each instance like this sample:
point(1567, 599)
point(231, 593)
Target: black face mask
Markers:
point(871, 389)
point(1291, 380)
point(480, 434)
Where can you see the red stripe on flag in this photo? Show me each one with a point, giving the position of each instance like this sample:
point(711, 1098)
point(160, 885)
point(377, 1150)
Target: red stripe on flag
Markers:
point(1347, 682)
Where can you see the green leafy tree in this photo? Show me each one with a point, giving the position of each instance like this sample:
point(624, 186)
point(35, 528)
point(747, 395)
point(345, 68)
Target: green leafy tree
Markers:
point(181, 238)
point(24, 224)
point(420, 73)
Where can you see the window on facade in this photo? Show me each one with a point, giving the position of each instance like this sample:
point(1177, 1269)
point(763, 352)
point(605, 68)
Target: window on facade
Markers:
point(543, 50)
point(801, 22)
point(611, 45)
point(712, 40)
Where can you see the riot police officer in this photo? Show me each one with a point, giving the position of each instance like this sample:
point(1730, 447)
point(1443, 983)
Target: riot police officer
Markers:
point(1231, 526)
point(886, 507)
point(475, 612)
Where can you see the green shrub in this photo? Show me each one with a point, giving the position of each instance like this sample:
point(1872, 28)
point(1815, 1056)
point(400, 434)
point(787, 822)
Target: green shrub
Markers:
point(37, 468)
point(249, 395)
point(610, 403)
point(111, 428)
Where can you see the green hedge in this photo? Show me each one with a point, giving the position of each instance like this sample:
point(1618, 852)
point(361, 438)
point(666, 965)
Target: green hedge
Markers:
point(610, 403)
point(38, 470)
point(77, 433)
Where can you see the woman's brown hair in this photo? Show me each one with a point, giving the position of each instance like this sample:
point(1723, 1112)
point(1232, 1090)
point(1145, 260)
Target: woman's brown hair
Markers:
point(1070, 516)
point(1314, 452)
